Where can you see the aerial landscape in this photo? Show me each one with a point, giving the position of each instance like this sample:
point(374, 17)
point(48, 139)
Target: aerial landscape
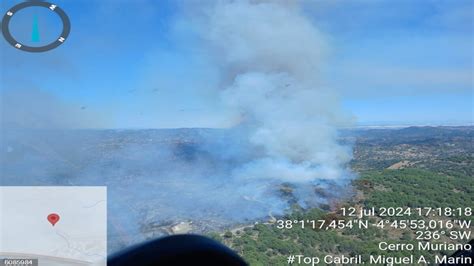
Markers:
point(292, 132)
point(401, 167)
point(407, 167)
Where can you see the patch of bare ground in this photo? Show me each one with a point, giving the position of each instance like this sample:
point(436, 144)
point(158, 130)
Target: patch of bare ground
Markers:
point(400, 165)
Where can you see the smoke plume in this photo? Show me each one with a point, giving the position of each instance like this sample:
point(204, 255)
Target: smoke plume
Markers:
point(282, 150)
point(271, 56)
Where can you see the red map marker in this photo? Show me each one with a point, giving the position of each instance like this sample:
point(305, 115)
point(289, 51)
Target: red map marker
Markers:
point(53, 218)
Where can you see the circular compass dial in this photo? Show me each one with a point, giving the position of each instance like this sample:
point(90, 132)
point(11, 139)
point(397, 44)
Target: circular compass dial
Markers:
point(32, 11)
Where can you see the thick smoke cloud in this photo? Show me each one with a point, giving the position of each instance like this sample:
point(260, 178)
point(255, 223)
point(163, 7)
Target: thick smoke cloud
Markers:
point(271, 56)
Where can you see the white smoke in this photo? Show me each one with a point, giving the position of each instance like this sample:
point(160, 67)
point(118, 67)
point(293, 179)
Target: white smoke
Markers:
point(271, 55)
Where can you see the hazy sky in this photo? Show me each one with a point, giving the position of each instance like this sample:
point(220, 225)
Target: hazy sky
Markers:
point(140, 64)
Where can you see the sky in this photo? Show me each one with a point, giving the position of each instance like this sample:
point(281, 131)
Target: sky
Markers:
point(141, 64)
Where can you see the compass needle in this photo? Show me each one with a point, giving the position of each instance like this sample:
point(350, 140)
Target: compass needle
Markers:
point(35, 35)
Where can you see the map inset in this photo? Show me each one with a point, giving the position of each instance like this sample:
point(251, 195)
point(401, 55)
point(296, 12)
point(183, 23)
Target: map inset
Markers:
point(56, 225)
